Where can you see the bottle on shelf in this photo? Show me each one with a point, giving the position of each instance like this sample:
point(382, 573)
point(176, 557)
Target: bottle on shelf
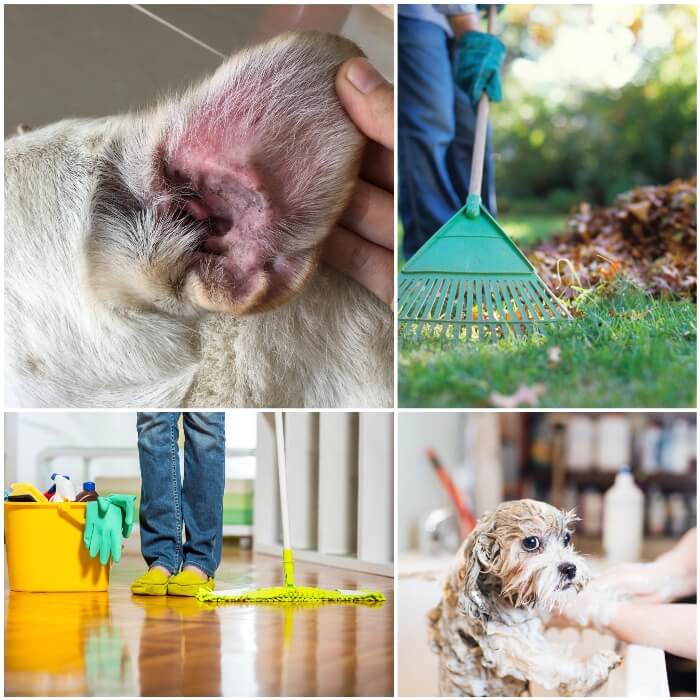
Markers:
point(623, 519)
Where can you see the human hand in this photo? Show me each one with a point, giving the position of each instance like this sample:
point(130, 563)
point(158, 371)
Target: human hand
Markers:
point(362, 244)
point(589, 608)
point(478, 65)
point(654, 582)
point(645, 583)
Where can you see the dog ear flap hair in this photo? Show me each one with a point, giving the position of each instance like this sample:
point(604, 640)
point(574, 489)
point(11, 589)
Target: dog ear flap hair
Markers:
point(480, 552)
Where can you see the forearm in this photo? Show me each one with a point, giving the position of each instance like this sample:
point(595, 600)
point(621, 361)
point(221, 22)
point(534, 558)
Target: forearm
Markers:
point(682, 558)
point(669, 627)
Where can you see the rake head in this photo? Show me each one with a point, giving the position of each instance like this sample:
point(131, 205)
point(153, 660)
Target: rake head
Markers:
point(475, 307)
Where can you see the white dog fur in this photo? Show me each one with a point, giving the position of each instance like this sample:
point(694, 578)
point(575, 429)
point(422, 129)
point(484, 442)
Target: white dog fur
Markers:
point(488, 629)
point(113, 296)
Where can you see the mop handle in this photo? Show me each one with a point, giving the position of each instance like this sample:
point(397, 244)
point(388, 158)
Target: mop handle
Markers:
point(287, 558)
point(482, 118)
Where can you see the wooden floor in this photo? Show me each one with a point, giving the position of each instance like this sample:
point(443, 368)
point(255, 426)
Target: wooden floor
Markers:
point(77, 644)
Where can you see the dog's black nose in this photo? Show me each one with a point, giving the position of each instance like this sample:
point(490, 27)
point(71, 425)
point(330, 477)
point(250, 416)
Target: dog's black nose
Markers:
point(568, 570)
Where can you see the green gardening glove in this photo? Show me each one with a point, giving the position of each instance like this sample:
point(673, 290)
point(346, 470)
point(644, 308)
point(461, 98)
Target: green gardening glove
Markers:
point(126, 505)
point(103, 530)
point(485, 8)
point(478, 65)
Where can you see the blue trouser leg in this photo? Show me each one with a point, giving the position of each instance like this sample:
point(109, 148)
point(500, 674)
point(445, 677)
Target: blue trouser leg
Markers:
point(203, 489)
point(160, 512)
point(435, 134)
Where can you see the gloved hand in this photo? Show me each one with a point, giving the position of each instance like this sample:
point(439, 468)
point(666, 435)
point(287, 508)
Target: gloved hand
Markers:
point(485, 8)
point(478, 64)
point(108, 519)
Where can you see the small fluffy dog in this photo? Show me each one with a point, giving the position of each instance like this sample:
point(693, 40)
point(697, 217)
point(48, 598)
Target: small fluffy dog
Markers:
point(172, 257)
point(488, 629)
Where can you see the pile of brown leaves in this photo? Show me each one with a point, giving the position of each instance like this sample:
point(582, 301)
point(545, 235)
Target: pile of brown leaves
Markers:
point(649, 236)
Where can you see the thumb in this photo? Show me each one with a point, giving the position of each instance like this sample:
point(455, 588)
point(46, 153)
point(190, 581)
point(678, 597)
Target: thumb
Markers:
point(368, 99)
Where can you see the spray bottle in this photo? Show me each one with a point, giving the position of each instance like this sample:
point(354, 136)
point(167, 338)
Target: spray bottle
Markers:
point(65, 491)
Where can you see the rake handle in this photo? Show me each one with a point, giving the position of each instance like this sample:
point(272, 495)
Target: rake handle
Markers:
point(482, 120)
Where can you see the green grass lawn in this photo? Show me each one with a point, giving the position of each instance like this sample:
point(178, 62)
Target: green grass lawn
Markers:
point(625, 349)
point(528, 229)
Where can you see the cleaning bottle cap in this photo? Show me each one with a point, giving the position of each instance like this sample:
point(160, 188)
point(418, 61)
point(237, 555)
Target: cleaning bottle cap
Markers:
point(88, 486)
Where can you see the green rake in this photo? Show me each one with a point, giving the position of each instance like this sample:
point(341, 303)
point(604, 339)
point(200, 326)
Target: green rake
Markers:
point(469, 281)
point(289, 593)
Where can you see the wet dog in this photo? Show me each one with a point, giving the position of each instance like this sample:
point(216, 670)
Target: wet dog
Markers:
point(488, 629)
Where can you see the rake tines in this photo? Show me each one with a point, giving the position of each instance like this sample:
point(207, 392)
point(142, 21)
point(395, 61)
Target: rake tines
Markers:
point(475, 307)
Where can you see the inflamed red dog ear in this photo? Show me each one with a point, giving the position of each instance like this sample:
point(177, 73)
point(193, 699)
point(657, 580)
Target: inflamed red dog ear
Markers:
point(265, 158)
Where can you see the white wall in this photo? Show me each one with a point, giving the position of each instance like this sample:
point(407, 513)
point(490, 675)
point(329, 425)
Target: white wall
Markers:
point(419, 490)
point(468, 445)
point(339, 485)
point(31, 432)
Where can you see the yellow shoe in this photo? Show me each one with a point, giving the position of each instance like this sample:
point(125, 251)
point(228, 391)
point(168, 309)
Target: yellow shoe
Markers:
point(188, 583)
point(153, 582)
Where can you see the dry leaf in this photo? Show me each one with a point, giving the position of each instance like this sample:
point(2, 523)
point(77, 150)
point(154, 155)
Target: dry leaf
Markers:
point(554, 354)
point(640, 210)
point(632, 315)
point(524, 396)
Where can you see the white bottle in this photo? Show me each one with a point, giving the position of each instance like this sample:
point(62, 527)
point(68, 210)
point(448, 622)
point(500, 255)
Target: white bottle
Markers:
point(65, 491)
point(614, 443)
point(674, 452)
point(623, 519)
point(580, 454)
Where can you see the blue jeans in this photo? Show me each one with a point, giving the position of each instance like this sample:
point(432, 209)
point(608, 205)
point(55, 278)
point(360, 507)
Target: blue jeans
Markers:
point(198, 501)
point(436, 135)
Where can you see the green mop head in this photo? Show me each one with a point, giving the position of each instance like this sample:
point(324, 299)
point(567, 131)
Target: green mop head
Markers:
point(289, 594)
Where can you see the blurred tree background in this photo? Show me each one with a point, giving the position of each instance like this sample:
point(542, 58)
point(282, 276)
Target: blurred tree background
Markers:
point(598, 99)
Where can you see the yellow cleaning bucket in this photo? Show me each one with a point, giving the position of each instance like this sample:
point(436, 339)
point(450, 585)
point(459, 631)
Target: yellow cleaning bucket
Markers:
point(45, 550)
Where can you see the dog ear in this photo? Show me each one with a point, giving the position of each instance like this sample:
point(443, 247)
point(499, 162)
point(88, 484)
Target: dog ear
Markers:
point(570, 518)
point(435, 638)
point(264, 158)
point(480, 554)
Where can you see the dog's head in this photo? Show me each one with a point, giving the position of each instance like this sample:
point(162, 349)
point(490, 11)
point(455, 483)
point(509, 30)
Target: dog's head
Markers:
point(521, 554)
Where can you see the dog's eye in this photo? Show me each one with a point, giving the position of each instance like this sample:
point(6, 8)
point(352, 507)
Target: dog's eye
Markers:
point(530, 544)
point(567, 539)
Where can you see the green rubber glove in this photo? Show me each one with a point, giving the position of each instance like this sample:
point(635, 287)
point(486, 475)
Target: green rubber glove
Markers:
point(103, 530)
point(126, 505)
point(485, 8)
point(478, 65)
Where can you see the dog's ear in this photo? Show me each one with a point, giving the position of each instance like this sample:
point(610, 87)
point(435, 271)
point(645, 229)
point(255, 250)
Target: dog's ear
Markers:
point(435, 638)
point(480, 554)
point(570, 518)
point(263, 156)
